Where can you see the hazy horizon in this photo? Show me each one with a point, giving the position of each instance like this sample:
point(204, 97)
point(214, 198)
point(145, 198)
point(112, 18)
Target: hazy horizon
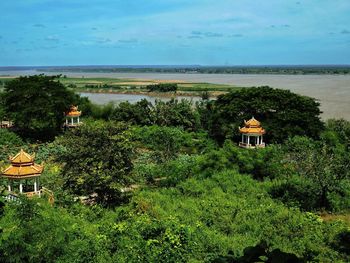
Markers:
point(175, 65)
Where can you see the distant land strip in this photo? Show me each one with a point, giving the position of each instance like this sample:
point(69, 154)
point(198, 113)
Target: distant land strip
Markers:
point(289, 70)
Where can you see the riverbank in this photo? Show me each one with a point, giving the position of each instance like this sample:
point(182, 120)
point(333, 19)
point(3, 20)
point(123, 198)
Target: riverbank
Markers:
point(102, 98)
point(211, 94)
point(332, 91)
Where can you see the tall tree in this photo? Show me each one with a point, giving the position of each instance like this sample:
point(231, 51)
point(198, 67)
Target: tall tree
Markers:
point(179, 113)
point(138, 113)
point(97, 161)
point(282, 113)
point(36, 104)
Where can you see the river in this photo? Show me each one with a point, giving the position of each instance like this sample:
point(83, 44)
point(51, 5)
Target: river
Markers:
point(332, 91)
point(104, 98)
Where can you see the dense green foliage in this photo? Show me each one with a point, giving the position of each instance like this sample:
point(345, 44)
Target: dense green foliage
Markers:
point(9, 139)
point(2, 107)
point(283, 113)
point(338, 132)
point(9, 143)
point(176, 113)
point(139, 113)
point(97, 161)
point(320, 175)
point(170, 113)
point(198, 221)
point(153, 183)
point(36, 105)
point(163, 87)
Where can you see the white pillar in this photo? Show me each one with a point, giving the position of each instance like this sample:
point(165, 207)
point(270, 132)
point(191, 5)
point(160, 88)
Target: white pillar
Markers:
point(9, 187)
point(78, 120)
point(258, 140)
point(248, 139)
point(72, 120)
point(35, 185)
point(20, 187)
point(67, 121)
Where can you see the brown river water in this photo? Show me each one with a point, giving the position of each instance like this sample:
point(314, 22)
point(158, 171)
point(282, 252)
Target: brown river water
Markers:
point(332, 91)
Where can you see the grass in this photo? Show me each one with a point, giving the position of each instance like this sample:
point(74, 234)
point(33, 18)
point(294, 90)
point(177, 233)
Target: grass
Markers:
point(141, 85)
point(116, 85)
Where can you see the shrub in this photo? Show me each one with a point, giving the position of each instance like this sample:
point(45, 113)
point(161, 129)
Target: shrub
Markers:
point(342, 242)
point(296, 192)
point(10, 143)
point(9, 138)
point(165, 142)
point(162, 87)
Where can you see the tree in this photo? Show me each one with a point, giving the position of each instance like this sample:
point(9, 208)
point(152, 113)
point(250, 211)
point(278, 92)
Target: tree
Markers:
point(338, 130)
point(179, 113)
point(323, 170)
point(283, 114)
point(138, 113)
point(164, 141)
point(36, 104)
point(162, 87)
point(2, 107)
point(97, 161)
point(10, 143)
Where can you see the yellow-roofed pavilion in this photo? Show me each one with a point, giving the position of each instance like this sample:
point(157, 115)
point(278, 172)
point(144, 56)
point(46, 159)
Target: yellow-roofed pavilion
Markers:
point(23, 174)
point(252, 134)
point(72, 117)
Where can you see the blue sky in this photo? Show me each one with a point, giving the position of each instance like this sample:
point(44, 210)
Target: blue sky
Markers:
point(174, 32)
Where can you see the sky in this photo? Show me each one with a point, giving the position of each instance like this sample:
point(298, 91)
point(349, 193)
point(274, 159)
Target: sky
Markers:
point(174, 32)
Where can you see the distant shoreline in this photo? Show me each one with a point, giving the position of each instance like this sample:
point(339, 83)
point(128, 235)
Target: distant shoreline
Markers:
point(192, 69)
point(332, 91)
point(150, 94)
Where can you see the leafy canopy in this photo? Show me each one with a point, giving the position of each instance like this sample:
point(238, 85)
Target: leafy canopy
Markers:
point(283, 114)
point(97, 161)
point(36, 105)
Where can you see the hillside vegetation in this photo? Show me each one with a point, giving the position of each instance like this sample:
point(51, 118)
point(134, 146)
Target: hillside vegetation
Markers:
point(166, 182)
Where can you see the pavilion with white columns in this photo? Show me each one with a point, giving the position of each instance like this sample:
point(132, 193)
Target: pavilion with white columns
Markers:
point(23, 175)
point(252, 134)
point(72, 117)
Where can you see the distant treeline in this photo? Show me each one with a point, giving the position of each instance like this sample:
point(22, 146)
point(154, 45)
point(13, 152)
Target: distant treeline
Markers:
point(162, 87)
point(292, 70)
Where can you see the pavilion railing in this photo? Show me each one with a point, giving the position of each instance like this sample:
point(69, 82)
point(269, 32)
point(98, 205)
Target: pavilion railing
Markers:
point(246, 145)
point(42, 191)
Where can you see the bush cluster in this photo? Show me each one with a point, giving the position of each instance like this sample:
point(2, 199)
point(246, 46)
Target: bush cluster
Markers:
point(162, 87)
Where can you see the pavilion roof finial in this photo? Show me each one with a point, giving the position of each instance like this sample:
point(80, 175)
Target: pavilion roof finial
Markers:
point(252, 126)
point(22, 165)
point(73, 112)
